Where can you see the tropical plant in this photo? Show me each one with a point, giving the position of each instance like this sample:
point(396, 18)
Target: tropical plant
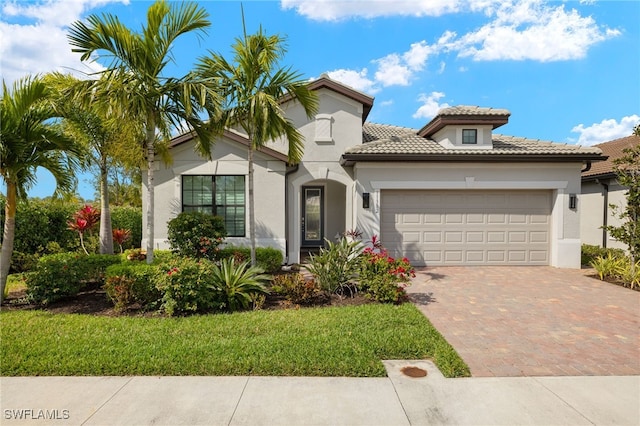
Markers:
point(121, 236)
point(84, 220)
point(109, 135)
point(336, 267)
point(28, 140)
point(238, 283)
point(136, 83)
point(253, 88)
point(607, 266)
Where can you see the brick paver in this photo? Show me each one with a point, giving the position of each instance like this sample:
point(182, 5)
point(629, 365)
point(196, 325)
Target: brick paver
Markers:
point(532, 321)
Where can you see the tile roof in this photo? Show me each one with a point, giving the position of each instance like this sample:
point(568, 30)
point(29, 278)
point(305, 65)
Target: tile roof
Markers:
point(472, 110)
point(614, 150)
point(381, 139)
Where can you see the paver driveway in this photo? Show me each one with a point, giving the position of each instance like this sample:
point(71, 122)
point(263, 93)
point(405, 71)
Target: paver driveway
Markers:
point(532, 321)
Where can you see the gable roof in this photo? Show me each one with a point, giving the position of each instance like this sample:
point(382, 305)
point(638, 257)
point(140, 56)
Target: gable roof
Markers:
point(325, 82)
point(465, 114)
point(614, 150)
point(392, 143)
point(234, 136)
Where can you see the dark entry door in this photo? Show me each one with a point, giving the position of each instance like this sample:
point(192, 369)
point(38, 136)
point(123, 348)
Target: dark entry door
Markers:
point(312, 216)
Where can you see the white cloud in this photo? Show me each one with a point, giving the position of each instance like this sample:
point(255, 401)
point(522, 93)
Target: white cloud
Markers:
point(40, 45)
point(337, 10)
point(534, 30)
point(430, 105)
point(356, 79)
point(392, 72)
point(606, 130)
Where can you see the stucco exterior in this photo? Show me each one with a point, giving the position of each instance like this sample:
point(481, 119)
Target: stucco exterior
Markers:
point(595, 202)
point(333, 166)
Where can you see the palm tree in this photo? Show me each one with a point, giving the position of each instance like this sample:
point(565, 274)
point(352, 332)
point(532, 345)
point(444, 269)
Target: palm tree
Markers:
point(254, 87)
point(138, 61)
point(105, 130)
point(29, 139)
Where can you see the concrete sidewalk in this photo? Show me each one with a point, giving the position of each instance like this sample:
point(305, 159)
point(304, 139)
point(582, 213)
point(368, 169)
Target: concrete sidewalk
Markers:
point(395, 400)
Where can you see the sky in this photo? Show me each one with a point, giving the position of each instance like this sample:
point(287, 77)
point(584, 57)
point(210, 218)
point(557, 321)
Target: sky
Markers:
point(568, 71)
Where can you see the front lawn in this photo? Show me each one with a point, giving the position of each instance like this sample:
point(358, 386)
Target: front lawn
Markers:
point(345, 341)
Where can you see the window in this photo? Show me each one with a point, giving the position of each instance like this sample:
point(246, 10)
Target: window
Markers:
point(469, 136)
point(222, 196)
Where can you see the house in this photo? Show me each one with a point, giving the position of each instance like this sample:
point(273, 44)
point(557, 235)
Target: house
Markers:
point(451, 193)
point(600, 189)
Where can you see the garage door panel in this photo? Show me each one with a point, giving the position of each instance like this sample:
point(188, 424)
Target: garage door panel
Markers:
point(475, 227)
point(432, 237)
point(475, 237)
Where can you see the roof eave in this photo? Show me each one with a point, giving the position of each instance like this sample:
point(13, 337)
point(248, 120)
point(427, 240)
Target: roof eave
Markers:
point(236, 137)
point(440, 122)
point(351, 159)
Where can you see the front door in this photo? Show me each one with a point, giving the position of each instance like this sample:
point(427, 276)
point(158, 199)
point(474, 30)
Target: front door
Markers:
point(312, 216)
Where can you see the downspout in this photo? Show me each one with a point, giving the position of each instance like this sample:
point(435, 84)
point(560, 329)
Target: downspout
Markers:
point(286, 210)
point(605, 213)
point(587, 167)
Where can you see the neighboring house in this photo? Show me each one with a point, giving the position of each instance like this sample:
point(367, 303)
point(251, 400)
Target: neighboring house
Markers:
point(451, 193)
point(600, 189)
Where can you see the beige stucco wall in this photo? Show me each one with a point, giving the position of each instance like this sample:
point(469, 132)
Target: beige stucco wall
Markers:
point(562, 179)
point(229, 159)
point(592, 212)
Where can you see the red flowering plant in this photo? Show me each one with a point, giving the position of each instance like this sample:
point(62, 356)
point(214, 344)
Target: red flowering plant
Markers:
point(121, 236)
point(383, 277)
point(84, 220)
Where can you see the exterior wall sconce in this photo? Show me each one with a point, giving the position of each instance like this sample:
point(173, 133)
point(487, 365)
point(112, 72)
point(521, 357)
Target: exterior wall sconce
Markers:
point(573, 201)
point(366, 197)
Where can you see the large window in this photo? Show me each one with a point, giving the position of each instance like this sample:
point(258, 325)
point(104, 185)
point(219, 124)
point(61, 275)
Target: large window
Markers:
point(469, 136)
point(222, 196)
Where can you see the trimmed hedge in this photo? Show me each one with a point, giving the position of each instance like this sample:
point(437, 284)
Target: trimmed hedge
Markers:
point(63, 275)
point(589, 253)
point(267, 258)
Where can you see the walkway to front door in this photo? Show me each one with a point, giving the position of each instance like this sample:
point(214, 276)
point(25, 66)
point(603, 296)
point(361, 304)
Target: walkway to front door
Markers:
point(532, 321)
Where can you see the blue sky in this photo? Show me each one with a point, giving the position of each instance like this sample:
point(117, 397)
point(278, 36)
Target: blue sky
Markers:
point(569, 71)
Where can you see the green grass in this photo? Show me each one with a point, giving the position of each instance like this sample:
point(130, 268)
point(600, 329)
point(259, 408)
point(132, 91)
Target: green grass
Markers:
point(345, 341)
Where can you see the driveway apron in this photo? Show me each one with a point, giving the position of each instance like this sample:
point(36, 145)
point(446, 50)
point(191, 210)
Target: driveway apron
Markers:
point(532, 321)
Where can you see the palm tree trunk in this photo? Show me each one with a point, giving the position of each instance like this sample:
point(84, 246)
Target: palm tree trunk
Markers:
point(9, 233)
point(106, 234)
point(252, 214)
point(150, 139)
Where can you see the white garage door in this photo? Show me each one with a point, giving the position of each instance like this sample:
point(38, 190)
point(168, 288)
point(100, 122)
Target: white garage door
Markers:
point(467, 227)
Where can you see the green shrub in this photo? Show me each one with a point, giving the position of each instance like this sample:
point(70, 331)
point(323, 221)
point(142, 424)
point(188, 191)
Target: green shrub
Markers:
point(296, 289)
point(132, 283)
point(238, 283)
point(196, 235)
point(336, 267)
point(58, 276)
point(589, 253)
point(23, 262)
point(268, 258)
point(382, 277)
point(187, 286)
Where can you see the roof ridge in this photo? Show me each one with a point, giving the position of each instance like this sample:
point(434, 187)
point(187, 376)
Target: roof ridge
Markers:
point(391, 126)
